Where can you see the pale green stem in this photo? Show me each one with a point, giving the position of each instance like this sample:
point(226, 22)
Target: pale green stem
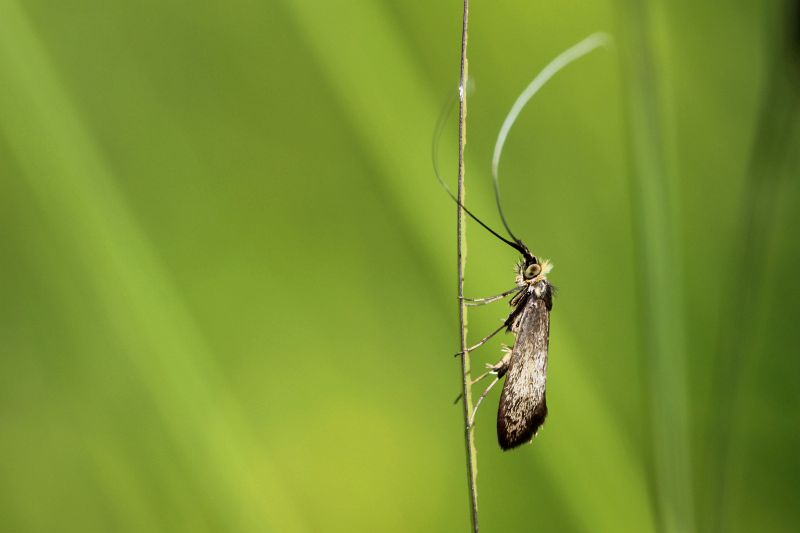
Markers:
point(466, 379)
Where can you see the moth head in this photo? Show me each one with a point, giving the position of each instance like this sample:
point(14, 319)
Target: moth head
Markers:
point(531, 269)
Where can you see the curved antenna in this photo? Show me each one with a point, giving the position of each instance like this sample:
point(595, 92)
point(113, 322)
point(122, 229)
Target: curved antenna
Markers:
point(437, 135)
point(441, 122)
point(566, 57)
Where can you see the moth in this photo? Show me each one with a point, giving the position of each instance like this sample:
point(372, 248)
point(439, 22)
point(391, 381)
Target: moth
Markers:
point(523, 402)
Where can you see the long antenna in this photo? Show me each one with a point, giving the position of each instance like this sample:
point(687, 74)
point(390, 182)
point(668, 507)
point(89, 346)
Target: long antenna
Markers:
point(437, 134)
point(579, 50)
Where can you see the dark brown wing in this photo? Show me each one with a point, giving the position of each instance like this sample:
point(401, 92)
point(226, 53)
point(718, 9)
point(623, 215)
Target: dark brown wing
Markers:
point(523, 407)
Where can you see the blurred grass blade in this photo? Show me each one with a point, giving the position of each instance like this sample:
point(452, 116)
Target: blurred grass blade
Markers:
point(77, 193)
point(655, 224)
point(736, 360)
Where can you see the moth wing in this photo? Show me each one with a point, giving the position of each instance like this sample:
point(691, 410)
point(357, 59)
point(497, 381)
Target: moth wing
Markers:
point(523, 406)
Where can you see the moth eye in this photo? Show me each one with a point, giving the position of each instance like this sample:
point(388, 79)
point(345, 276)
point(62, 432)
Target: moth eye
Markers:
point(532, 271)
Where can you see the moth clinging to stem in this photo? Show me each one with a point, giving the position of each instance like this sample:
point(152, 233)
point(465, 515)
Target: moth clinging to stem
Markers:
point(523, 403)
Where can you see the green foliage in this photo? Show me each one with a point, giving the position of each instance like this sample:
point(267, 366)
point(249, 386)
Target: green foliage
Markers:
point(228, 274)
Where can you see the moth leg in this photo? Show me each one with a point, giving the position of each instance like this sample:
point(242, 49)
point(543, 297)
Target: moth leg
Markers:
point(475, 302)
point(492, 370)
point(478, 403)
point(484, 340)
point(482, 376)
point(500, 368)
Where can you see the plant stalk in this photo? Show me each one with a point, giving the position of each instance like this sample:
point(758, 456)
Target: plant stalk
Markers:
point(466, 378)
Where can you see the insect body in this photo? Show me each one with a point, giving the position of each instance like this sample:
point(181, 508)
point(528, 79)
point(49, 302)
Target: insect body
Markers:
point(523, 405)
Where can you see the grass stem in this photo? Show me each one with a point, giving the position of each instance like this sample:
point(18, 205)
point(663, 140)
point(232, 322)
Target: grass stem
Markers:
point(466, 379)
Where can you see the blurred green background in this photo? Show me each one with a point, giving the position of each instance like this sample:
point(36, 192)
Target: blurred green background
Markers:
point(228, 275)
